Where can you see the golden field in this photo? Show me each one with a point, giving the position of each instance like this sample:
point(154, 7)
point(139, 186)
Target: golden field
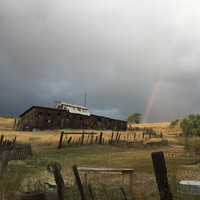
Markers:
point(44, 144)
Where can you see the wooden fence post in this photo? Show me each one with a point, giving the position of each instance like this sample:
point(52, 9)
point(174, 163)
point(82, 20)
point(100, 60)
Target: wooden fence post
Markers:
point(91, 139)
point(161, 175)
point(56, 168)
point(90, 191)
point(66, 140)
point(60, 142)
point(88, 137)
point(134, 136)
point(4, 163)
point(123, 193)
point(78, 181)
point(96, 139)
point(117, 135)
point(100, 138)
point(82, 139)
point(14, 140)
point(118, 138)
point(127, 136)
point(111, 141)
point(1, 140)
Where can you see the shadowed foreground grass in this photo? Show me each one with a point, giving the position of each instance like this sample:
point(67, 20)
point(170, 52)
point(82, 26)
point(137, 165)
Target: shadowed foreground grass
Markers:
point(31, 174)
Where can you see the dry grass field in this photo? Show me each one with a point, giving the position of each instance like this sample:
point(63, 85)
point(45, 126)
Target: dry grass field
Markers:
point(29, 174)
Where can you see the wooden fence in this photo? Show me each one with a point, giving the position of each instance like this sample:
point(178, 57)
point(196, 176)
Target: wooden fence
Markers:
point(18, 151)
point(86, 138)
point(115, 139)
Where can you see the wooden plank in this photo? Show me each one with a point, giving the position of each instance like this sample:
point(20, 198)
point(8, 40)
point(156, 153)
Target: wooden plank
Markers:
point(85, 133)
point(92, 169)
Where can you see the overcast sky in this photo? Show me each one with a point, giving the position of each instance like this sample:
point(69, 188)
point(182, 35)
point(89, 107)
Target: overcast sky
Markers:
point(128, 55)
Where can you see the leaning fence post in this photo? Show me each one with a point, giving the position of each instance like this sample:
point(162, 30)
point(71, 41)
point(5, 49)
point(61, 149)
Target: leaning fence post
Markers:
point(117, 135)
point(68, 142)
point(161, 175)
point(60, 142)
point(123, 193)
point(118, 138)
point(78, 181)
point(4, 163)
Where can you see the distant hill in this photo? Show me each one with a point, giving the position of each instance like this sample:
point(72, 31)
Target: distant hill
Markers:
point(162, 126)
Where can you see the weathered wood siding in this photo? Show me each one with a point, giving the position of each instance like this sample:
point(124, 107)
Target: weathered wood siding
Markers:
point(50, 118)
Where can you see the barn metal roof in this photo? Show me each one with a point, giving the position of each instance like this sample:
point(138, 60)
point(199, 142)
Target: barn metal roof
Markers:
point(73, 108)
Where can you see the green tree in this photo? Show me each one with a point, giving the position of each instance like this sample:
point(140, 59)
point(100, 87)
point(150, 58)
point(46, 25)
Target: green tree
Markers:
point(190, 125)
point(174, 123)
point(135, 117)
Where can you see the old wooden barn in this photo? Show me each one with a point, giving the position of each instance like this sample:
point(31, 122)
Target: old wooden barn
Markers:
point(66, 116)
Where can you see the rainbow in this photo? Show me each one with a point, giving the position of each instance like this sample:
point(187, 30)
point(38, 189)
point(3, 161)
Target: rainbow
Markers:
point(152, 96)
point(150, 102)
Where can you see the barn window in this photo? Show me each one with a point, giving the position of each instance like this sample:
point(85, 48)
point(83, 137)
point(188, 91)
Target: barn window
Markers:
point(81, 118)
point(67, 115)
point(40, 113)
point(74, 117)
point(99, 119)
point(59, 114)
point(49, 114)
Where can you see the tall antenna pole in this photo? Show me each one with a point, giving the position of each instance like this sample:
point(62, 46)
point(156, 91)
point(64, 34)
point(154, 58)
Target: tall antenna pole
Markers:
point(85, 101)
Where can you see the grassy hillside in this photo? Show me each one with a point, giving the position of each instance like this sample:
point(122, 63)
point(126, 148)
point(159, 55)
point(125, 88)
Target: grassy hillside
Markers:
point(30, 174)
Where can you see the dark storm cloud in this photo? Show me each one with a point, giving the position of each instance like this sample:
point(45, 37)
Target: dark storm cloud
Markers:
point(116, 51)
